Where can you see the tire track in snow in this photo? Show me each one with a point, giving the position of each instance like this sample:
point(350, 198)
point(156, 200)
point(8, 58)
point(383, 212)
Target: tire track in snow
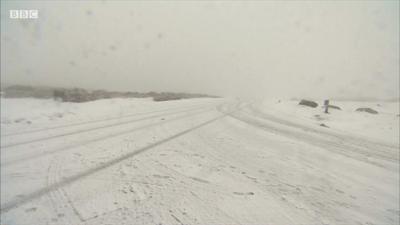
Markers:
point(356, 152)
point(322, 199)
point(92, 129)
point(43, 191)
point(101, 138)
point(93, 121)
point(340, 137)
point(61, 203)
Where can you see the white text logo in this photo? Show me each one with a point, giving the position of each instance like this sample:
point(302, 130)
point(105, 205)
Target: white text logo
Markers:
point(24, 14)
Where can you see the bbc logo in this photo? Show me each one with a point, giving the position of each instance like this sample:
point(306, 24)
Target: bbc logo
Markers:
point(24, 14)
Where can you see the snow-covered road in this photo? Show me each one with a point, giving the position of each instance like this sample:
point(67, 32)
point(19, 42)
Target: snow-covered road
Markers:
point(201, 161)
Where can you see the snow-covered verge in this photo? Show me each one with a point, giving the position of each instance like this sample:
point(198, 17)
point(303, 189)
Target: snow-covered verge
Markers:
point(383, 127)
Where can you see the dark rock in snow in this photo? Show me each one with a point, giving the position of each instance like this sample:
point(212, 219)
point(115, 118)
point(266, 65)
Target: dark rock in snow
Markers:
point(368, 110)
point(323, 125)
point(308, 103)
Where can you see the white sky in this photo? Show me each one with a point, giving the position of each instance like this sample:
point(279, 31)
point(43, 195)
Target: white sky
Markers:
point(260, 48)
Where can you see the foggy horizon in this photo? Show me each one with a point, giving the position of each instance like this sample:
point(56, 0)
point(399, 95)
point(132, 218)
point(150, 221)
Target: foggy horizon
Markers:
point(244, 49)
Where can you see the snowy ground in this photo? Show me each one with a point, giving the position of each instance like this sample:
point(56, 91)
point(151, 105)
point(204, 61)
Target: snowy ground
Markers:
point(199, 161)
